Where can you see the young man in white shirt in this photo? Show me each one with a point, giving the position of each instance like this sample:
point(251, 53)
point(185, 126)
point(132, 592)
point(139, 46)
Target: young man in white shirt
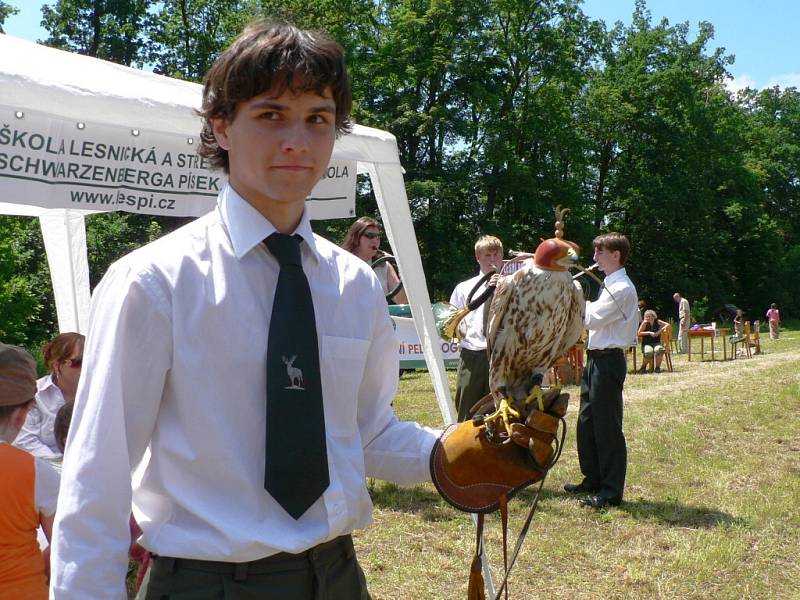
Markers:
point(472, 379)
point(612, 321)
point(176, 377)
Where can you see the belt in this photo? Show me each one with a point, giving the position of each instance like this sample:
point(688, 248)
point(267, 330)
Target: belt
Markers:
point(342, 545)
point(604, 351)
point(468, 350)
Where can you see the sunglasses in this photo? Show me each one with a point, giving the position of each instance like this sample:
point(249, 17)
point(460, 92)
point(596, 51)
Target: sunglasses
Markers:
point(371, 235)
point(75, 363)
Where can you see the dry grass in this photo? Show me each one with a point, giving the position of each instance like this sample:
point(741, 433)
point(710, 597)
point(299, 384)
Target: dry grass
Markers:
point(712, 498)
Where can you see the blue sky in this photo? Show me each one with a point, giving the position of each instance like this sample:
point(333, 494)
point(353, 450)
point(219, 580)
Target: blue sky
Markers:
point(761, 34)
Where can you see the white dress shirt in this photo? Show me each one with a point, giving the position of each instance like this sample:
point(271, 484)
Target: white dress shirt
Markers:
point(175, 364)
point(475, 338)
point(613, 322)
point(37, 436)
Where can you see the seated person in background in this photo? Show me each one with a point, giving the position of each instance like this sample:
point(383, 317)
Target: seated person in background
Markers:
point(63, 357)
point(364, 239)
point(28, 486)
point(650, 331)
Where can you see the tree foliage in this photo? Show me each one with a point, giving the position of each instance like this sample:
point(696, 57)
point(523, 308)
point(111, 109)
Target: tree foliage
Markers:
point(6, 10)
point(503, 109)
point(27, 310)
point(108, 29)
point(185, 36)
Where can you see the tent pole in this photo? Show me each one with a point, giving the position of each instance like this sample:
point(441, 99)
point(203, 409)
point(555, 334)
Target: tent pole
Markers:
point(64, 237)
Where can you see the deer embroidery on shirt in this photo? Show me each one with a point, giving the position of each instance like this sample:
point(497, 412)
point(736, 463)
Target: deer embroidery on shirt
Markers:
point(295, 374)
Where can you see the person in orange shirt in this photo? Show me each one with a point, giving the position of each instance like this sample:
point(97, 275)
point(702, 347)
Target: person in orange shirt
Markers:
point(28, 486)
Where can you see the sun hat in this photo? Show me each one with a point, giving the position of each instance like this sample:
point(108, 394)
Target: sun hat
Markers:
point(17, 375)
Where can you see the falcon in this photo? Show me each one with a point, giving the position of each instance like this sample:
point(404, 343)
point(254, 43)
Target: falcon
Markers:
point(535, 316)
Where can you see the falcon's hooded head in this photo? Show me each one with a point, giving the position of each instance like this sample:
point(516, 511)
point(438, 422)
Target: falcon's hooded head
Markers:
point(556, 254)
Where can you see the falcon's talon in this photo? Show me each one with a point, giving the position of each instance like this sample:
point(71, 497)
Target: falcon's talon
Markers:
point(536, 394)
point(504, 411)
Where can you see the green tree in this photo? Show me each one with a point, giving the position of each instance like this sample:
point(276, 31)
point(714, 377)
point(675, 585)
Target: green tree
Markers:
point(185, 36)
point(107, 29)
point(6, 10)
point(27, 310)
point(769, 246)
point(661, 133)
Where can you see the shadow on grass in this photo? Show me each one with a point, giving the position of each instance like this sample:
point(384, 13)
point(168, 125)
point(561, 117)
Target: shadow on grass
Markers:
point(668, 511)
point(676, 514)
point(420, 500)
point(429, 505)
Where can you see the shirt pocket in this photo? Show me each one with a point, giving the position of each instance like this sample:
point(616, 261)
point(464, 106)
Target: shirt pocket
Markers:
point(342, 360)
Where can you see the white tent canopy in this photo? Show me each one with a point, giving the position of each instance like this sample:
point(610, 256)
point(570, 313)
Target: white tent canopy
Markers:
point(66, 118)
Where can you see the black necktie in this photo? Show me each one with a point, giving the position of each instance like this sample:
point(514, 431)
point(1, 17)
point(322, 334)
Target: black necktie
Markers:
point(296, 471)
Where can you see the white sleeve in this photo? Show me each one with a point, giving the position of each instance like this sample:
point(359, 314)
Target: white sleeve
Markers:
point(607, 309)
point(127, 355)
point(458, 298)
point(45, 489)
point(394, 450)
point(29, 437)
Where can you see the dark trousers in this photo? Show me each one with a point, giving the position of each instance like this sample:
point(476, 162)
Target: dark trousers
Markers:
point(329, 571)
point(472, 380)
point(602, 453)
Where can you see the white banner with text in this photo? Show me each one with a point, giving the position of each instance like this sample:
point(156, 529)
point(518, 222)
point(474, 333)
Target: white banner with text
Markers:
point(411, 356)
point(56, 163)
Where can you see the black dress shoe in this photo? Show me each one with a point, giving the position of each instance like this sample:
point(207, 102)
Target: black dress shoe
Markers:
point(578, 488)
point(599, 502)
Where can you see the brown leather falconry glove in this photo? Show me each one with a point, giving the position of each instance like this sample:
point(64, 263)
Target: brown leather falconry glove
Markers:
point(538, 433)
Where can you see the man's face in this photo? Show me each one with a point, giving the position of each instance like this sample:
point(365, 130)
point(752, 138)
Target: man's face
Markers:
point(677, 298)
point(489, 259)
point(278, 146)
point(606, 260)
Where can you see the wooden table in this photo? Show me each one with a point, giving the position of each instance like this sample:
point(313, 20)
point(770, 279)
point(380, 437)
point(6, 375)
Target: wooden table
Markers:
point(709, 333)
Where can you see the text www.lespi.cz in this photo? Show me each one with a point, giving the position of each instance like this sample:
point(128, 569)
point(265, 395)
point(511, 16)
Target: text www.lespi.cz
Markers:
point(138, 202)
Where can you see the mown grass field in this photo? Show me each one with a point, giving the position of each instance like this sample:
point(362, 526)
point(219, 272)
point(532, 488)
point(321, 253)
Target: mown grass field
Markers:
point(712, 504)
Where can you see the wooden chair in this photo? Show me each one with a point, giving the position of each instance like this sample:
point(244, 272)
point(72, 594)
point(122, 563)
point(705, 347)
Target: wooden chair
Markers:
point(673, 340)
point(743, 340)
point(568, 369)
point(632, 352)
point(666, 341)
point(575, 358)
point(755, 338)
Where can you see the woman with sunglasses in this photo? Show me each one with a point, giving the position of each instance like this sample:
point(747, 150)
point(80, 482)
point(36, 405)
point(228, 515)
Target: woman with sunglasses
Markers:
point(364, 239)
point(63, 356)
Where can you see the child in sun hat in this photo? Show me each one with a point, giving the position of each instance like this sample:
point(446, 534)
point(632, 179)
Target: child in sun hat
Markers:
point(28, 485)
